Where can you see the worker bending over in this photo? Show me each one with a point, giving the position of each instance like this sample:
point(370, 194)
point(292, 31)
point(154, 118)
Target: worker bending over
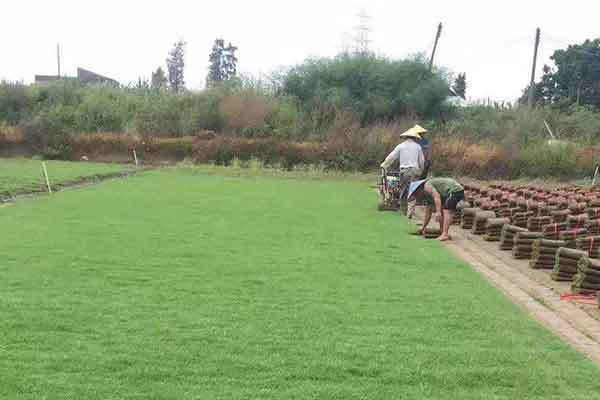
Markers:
point(441, 195)
point(410, 159)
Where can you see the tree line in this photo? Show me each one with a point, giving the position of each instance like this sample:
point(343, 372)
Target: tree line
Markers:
point(222, 67)
point(573, 80)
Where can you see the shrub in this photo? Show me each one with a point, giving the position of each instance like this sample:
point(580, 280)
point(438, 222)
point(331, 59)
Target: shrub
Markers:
point(47, 134)
point(246, 112)
point(159, 116)
point(15, 103)
point(547, 160)
point(102, 110)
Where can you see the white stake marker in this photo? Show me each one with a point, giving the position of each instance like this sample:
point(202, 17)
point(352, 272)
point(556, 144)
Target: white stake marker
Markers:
point(46, 176)
point(135, 158)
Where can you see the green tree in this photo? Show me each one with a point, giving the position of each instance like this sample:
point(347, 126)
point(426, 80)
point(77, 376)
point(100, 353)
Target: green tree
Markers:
point(372, 88)
point(176, 66)
point(159, 79)
point(575, 79)
point(460, 85)
point(223, 63)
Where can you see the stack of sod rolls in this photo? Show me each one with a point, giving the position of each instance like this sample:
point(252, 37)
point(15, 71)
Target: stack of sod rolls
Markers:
point(493, 229)
point(468, 217)
point(535, 224)
point(570, 236)
point(520, 219)
point(577, 221)
point(565, 266)
point(560, 215)
point(593, 226)
point(589, 244)
point(480, 221)
point(507, 212)
point(522, 244)
point(577, 208)
point(593, 213)
point(456, 218)
point(543, 253)
point(587, 279)
point(507, 236)
point(551, 231)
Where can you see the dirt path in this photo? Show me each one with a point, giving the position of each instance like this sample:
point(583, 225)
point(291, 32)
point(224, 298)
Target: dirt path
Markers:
point(533, 290)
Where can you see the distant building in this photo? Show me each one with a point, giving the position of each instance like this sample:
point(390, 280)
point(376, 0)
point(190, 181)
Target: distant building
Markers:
point(83, 75)
point(45, 79)
point(86, 76)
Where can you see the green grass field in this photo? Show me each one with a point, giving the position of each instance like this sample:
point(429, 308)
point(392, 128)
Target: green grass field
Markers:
point(181, 285)
point(19, 175)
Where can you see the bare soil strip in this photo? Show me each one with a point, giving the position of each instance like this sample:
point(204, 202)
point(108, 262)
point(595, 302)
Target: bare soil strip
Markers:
point(533, 290)
point(6, 200)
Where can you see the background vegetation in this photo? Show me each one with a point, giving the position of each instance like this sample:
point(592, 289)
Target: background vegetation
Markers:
point(344, 113)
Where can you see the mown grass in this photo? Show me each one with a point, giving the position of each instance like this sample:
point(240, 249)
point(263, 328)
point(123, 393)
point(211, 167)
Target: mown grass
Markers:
point(183, 285)
point(20, 175)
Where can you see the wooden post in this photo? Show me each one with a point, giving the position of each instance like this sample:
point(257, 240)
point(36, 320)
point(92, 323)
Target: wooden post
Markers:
point(549, 130)
point(437, 38)
point(58, 59)
point(46, 177)
point(531, 95)
point(135, 158)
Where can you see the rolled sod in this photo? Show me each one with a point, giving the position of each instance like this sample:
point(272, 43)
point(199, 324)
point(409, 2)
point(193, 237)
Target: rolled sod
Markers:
point(507, 236)
point(560, 215)
point(522, 244)
point(543, 253)
point(566, 265)
point(577, 221)
point(480, 221)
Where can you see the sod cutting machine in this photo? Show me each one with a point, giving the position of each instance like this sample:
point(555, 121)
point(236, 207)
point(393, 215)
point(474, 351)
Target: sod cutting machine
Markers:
point(389, 190)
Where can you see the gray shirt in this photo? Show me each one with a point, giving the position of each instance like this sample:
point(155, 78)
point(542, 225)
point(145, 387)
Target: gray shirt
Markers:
point(408, 153)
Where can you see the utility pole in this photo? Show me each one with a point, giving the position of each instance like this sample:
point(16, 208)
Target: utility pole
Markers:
point(58, 58)
point(437, 38)
point(530, 97)
point(362, 31)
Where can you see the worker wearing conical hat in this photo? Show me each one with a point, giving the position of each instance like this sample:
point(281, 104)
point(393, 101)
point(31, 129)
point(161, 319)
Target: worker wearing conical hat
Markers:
point(410, 160)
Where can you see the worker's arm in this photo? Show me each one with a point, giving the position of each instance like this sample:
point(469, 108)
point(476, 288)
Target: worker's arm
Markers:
point(437, 200)
point(389, 160)
point(426, 219)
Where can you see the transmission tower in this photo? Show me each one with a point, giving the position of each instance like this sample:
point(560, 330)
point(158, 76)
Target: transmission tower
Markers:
point(361, 34)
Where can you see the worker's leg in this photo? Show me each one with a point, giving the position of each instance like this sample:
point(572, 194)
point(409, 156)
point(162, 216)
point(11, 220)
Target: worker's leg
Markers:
point(411, 175)
point(449, 209)
point(445, 225)
point(405, 179)
point(412, 206)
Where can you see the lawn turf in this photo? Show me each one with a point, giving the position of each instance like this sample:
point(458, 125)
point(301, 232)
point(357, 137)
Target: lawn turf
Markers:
point(175, 285)
point(20, 175)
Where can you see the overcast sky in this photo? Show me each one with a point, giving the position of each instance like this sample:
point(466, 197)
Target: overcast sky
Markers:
point(492, 41)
